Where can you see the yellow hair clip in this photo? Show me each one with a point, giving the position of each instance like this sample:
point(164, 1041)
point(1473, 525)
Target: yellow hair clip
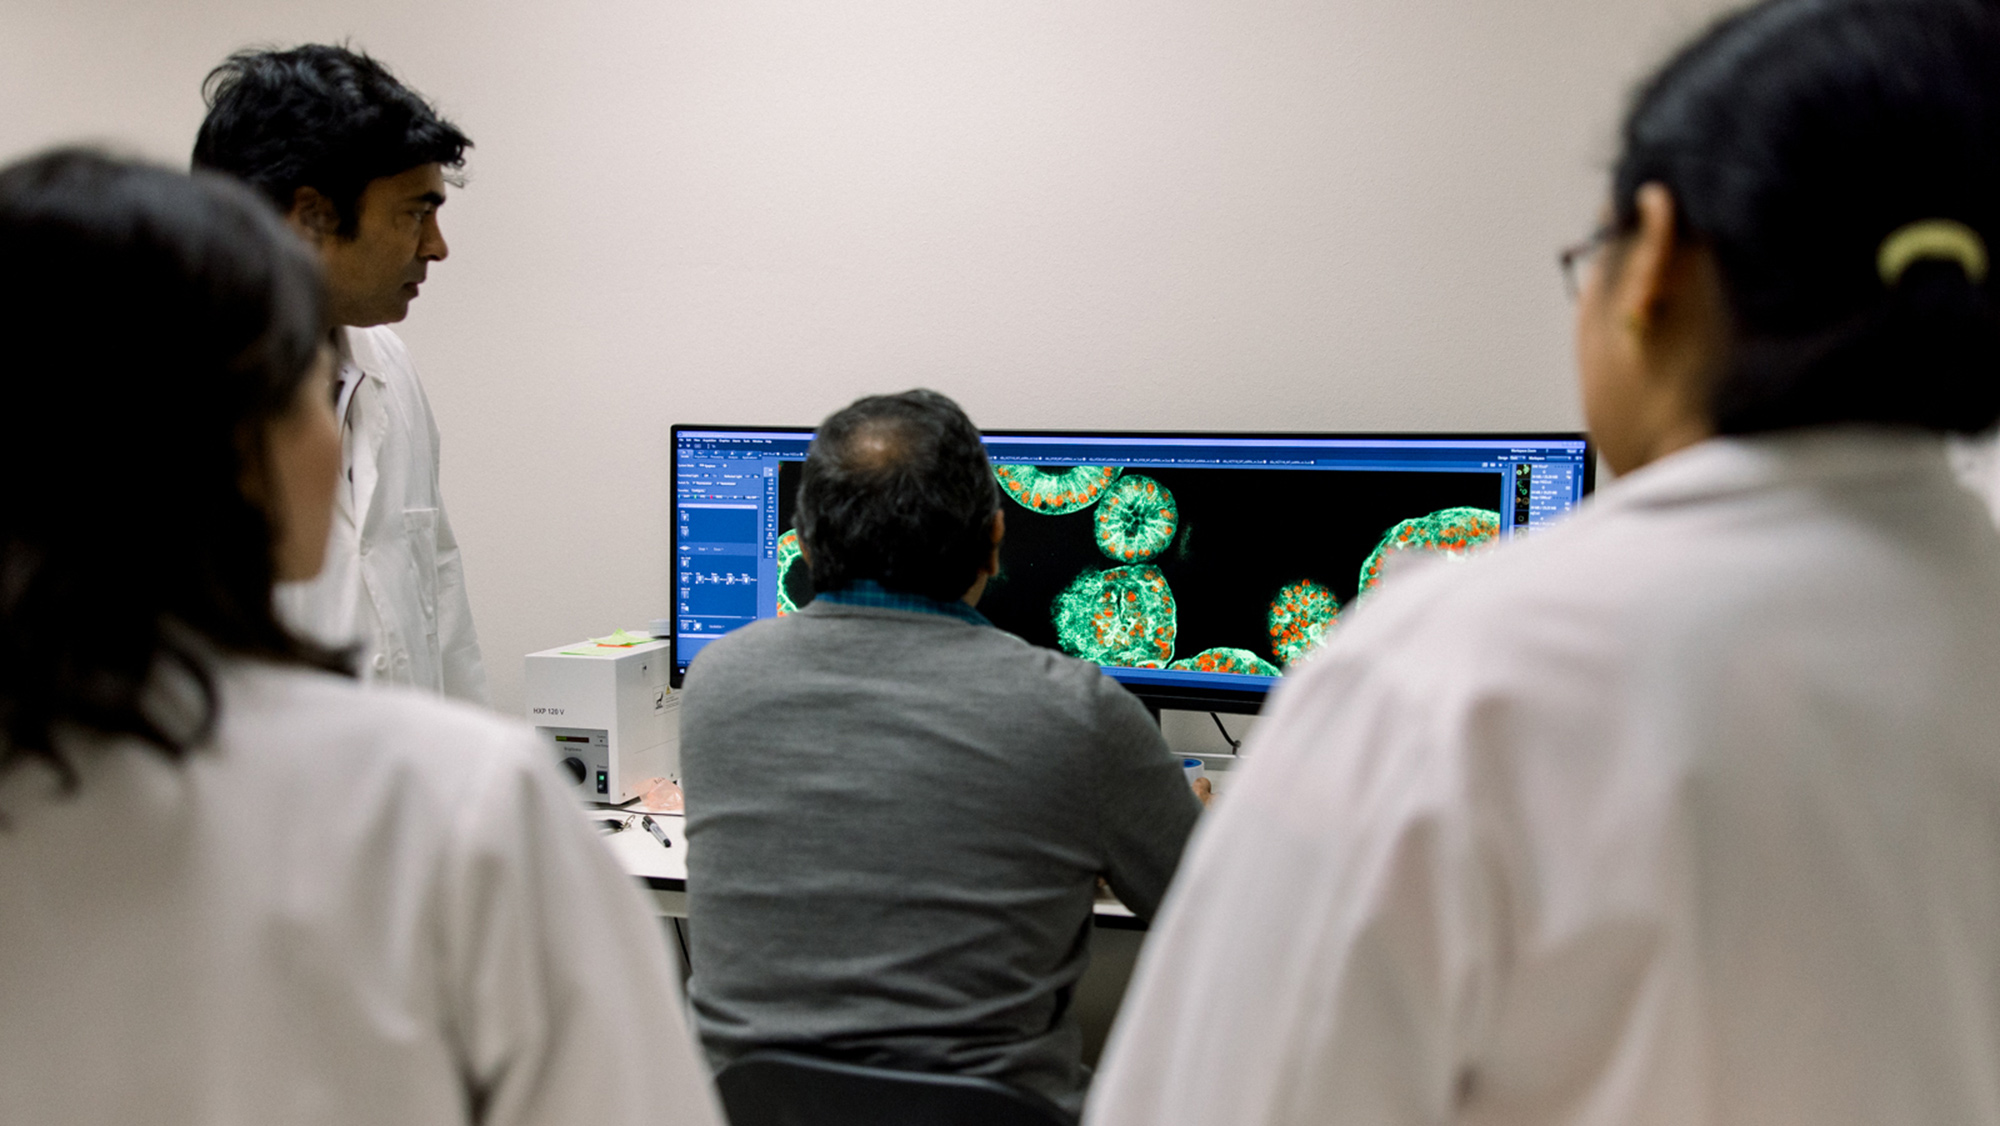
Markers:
point(1945, 239)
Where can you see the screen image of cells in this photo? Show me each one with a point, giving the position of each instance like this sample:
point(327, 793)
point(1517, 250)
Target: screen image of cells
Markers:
point(1226, 659)
point(1137, 520)
point(1450, 531)
point(1123, 616)
point(1300, 615)
point(1055, 493)
point(788, 555)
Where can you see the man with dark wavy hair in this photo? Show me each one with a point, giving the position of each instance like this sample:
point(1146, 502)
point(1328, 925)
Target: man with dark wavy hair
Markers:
point(358, 164)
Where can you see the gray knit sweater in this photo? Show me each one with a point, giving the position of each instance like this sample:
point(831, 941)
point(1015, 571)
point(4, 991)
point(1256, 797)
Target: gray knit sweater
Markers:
point(895, 826)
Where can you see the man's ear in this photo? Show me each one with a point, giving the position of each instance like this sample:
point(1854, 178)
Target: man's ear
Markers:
point(1645, 282)
point(313, 215)
point(999, 533)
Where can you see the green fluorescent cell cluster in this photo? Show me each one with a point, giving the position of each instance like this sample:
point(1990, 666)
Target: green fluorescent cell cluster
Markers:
point(1226, 659)
point(1055, 494)
point(1123, 616)
point(788, 554)
point(1299, 616)
point(1452, 531)
point(1137, 520)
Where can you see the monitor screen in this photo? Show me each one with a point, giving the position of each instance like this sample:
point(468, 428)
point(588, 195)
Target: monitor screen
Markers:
point(1193, 567)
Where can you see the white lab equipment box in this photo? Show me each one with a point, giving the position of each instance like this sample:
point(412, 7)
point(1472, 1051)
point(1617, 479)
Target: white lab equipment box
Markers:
point(607, 715)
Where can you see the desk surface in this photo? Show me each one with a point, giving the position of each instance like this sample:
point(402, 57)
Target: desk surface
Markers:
point(663, 869)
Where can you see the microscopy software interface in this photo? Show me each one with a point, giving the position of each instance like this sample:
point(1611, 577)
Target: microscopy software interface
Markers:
point(1183, 561)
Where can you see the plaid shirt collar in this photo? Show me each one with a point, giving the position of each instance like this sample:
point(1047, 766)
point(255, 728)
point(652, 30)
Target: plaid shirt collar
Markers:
point(868, 592)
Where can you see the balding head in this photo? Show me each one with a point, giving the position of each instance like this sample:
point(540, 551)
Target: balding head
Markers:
point(879, 445)
point(897, 489)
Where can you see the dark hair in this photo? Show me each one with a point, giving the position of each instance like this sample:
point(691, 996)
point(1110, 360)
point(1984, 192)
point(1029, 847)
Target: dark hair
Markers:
point(897, 489)
point(1796, 136)
point(322, 117)
point(157, 320)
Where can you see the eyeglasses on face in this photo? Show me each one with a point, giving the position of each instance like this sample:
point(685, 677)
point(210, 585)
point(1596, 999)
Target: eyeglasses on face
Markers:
point(1572, 259)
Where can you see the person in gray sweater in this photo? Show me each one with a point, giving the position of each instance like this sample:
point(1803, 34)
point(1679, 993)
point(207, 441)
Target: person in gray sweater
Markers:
point(898, 814)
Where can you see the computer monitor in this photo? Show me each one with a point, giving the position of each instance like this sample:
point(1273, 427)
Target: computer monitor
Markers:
point(1194, 567)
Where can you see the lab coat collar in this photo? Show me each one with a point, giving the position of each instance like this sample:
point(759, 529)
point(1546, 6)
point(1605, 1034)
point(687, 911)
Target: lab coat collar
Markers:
point(1824, 455)
point(359, 349)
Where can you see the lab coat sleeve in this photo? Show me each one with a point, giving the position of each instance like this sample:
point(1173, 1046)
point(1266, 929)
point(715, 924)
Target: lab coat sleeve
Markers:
point(461, 669)
point(458, 644)
point(1976, 463)
point(1328, 950)
point(563, 1005)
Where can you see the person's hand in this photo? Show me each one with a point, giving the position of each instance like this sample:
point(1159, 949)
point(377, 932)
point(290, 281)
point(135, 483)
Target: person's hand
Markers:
point(662, 796)
point(1203, 790)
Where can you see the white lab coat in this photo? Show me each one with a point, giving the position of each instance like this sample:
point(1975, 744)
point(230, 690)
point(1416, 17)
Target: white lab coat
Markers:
point(352, 907)
point(1685, 811)
point(1977, 463)
point(392, 582)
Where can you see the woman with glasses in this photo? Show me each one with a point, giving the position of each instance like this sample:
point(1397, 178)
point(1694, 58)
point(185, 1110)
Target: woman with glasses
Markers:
point(1688, 810)
point(234, 886)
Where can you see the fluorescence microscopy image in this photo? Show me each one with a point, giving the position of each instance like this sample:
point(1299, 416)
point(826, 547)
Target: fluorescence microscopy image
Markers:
point(1241, 535)
point(1300, 616)
point(1225, 659)
point(1137, 520)
point(1055, 492)
point(790, 558)
point(1453, 531)
point(1123, 616)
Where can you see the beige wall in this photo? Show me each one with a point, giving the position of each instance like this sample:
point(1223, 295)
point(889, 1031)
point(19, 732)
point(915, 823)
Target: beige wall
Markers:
point(1207, 213)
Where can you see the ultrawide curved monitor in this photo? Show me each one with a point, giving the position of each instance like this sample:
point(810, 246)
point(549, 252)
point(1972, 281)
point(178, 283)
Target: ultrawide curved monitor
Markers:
point(1195, 568)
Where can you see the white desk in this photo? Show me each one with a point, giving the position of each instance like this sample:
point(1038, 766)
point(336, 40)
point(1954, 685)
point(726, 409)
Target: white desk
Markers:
point(663, 869)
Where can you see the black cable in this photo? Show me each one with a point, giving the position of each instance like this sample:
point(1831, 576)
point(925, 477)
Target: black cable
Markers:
point(687, 955)
point(1233, 744)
